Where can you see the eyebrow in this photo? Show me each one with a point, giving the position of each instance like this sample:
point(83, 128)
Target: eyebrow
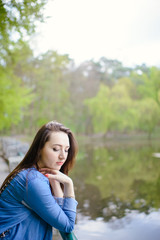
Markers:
point(56, 144)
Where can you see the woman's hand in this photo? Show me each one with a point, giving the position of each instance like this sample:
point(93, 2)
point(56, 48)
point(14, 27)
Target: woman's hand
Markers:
point(55, 178)
point(55, 175)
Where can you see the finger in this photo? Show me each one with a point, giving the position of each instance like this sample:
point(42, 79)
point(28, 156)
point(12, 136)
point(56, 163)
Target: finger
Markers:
point(52, 177)
point(44, 173)
point(44, 169)
point(48, 170)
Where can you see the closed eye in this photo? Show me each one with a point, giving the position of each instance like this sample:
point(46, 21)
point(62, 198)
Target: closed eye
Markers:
point(55, 149)
point(67, 150)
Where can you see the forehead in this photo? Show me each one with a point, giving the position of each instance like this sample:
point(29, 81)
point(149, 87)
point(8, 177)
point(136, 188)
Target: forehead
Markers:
point(60, 138)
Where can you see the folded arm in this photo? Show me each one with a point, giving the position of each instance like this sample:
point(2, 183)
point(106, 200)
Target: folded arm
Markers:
point(39, 198)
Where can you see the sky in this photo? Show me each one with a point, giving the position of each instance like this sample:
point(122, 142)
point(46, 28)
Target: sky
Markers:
point(126, 30)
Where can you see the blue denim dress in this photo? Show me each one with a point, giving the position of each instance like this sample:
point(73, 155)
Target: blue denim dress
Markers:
point(28, 209)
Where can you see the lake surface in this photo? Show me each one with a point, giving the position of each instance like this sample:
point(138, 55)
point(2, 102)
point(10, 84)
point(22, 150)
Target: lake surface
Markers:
point(118, 190)
point(117, 187)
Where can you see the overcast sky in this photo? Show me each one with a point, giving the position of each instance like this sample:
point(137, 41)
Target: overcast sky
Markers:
point(127, 30)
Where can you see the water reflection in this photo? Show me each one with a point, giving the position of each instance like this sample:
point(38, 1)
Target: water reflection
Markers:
point(134, 226)
point(117, 189)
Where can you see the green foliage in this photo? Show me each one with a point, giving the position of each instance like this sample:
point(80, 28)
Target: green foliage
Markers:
point(100, 110)
point(52, 99)
point(95, 97)
point(148, 113)
point(150, 84)
point(121, 108)
point(17, 20)
point(13, 98)
point(112, 109)
point(111, 70)
point(45, 76)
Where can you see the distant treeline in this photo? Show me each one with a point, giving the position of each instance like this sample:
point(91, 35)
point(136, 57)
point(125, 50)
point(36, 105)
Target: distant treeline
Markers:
point(95, 97)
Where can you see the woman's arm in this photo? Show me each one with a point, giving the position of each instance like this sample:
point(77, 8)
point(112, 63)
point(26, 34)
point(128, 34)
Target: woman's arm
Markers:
point(39, 198)
point(56, 189)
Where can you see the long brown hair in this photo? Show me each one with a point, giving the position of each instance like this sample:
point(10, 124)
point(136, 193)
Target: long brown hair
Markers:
point(33, 155)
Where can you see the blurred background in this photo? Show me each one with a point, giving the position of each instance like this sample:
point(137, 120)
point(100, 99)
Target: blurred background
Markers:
point(95, 67)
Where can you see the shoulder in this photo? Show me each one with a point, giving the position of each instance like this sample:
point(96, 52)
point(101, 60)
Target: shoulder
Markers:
point(31, 174)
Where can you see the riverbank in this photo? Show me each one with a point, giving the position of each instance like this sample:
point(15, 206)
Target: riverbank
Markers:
point(118, 139)
point(4, 170)
point(12, 151)
point(109, 140)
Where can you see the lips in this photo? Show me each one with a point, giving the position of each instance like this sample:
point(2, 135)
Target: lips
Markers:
point(59, 163)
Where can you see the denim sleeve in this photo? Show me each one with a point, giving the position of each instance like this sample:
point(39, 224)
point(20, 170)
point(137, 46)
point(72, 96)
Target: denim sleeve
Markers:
point(60, 201)
point(39, 198)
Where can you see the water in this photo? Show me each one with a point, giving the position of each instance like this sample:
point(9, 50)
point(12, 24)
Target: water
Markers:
point(118, 190)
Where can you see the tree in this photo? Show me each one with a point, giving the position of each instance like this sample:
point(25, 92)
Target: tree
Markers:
point(13, 98)
point(17, 21)
point(49, 85)
point(112, 70)
point(150, 84)
point(100, 110)
point(84, 83)
point(148, 113)
point(113, 109)
point(123, 107)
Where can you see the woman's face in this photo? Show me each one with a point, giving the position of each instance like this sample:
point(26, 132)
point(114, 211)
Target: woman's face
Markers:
point(55, 151)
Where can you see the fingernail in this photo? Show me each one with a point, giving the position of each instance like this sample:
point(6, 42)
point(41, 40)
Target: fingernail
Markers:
point(46, 175)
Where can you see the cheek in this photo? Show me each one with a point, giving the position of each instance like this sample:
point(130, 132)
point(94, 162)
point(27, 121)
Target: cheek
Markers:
point(49, 154)
point(52, 154)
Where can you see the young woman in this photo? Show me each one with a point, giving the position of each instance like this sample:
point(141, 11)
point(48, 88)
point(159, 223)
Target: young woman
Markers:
point(38, 194)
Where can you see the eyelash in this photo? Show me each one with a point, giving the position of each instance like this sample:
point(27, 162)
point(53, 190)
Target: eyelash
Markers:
point(56, 150)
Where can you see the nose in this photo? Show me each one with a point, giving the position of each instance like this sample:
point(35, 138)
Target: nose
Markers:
point(62, 155)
